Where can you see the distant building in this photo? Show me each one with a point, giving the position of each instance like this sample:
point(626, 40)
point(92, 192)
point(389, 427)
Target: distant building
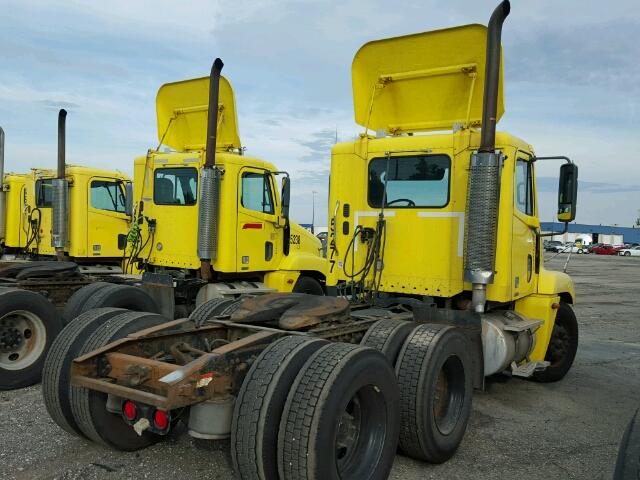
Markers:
point(593, 233)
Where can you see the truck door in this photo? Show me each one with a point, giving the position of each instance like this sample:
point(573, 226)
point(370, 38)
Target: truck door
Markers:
point(259, 239)
point(42, 217)
point(525, 225)
point(106, 217)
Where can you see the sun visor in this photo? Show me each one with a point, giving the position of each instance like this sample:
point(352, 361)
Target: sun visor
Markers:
point(422, 82)
point(182, 109)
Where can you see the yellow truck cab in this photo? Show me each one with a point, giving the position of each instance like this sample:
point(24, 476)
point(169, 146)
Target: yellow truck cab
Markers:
point(94, 217)
point(96, 213)
point(428, 208)
point(248, 235)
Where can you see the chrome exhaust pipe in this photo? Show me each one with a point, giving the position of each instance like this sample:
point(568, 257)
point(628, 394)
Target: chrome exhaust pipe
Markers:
point(483, 195)
point(60, 194)
point(209, 197)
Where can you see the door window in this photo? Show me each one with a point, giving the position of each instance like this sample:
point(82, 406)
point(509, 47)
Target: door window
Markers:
point(175, 186)
point(256, 192)
point(107, 195)
point(524, 187)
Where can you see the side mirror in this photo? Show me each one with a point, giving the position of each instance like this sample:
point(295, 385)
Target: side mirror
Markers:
point(286, 196)
point(568, 192)
point(128, 198)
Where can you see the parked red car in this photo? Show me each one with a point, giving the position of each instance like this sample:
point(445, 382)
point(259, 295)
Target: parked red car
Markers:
point(606, 250)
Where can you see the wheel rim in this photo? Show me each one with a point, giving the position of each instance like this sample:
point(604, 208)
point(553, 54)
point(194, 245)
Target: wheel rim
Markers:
point(448, 399)
point(23, 338)
point(360, 433)
point(559, 344)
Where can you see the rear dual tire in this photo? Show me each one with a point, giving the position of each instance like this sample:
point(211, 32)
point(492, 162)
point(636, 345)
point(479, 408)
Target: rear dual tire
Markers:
point(340, 420)
point(259, 405)
point(434, 374)
point(28, 325)
point(388, 336)
point(84, 412)
point(56, 376)
point(433, 366)
point(89, 407)
point(113, 295)
point(301, 403)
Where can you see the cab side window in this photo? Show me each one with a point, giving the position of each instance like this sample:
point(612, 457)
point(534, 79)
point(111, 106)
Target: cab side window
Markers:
point(524, 187)
point(175, 186)
point(256, 192)
point(44, 193)
point(107, 195)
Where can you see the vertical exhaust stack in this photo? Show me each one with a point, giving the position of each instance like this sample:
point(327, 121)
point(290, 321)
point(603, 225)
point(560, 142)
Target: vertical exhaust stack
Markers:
point(60, 194)
point(2, 195)
point(483, 193)
point(210, 181)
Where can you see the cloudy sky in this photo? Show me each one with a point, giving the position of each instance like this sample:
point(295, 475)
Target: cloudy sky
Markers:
point(572, 81)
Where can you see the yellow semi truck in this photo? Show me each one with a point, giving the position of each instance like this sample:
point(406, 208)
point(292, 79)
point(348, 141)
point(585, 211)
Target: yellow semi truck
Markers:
point(59, 230)
point(438, 282)
point(92, 216)
point(211, 220)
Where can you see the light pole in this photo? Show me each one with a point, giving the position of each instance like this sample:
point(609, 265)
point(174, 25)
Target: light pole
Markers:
point(313, 212)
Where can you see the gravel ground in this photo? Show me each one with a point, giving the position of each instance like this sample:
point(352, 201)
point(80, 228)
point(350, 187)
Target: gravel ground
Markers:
point(519, 429)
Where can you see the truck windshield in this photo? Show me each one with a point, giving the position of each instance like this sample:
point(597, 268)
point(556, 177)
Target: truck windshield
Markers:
point(411, 181)
point(175, 186)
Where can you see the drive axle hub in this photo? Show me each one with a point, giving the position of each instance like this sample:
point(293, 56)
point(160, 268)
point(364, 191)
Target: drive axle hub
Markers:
point(10, 338)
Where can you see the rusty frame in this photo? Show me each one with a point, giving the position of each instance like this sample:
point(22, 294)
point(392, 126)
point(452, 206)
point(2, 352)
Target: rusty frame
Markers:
point(120, 368)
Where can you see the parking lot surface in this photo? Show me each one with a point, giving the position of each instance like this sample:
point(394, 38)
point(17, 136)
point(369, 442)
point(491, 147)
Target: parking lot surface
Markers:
point(518, 429)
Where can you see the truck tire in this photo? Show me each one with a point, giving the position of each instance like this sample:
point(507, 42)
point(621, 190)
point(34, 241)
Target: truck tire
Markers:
point(232, 307)
point(628, 462)
point(121, 296)
point(73, 308)
point(562, 347)
point(340, 420)
point(56, 375)
point(308, 285)
point(89, 406)
point(434, 372)
point(28, 324)
point(258, 408)
point(209, 309)
point(388, 336)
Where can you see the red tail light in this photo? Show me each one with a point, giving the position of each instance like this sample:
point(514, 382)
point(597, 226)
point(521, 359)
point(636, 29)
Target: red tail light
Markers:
point(161, 419)
point(129, 410)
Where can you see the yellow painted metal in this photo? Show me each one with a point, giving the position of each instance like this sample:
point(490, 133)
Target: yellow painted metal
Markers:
point(539, 307)
point(424, 247)
point(242, 233)
point(182, 108)
point(422, 82)
point(93, 232)
point(14, 186)
point(281, 280)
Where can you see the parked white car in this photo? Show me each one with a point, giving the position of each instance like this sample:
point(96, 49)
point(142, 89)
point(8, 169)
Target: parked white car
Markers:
point(630, 252)
point(572, 248)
